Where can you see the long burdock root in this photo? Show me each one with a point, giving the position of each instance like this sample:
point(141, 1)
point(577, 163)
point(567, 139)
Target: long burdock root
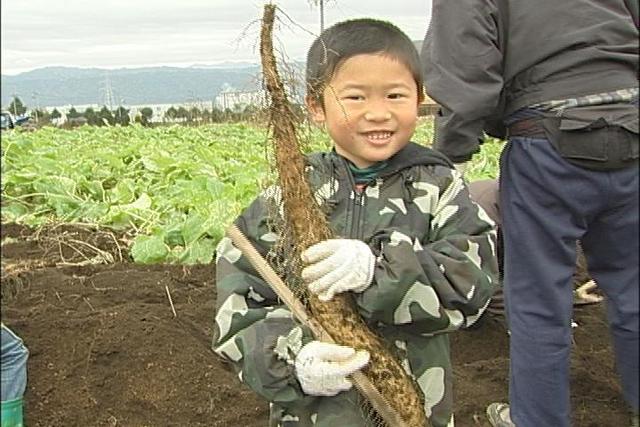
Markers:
point(308, 224)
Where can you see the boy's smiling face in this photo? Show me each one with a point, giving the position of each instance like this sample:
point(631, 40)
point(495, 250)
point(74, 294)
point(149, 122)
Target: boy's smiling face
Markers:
point(370, 108)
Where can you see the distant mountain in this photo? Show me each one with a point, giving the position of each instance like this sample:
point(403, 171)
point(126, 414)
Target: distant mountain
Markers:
point(58, 86)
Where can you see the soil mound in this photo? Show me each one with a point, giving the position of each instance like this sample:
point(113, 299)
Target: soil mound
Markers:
point(107, 350)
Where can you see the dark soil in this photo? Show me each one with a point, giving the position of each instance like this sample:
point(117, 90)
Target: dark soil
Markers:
point(107, 350)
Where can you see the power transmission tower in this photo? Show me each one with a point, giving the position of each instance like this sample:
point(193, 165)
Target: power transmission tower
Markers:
point(15, 99)
point(320, 4)
point(107, 92)
point(34, 96)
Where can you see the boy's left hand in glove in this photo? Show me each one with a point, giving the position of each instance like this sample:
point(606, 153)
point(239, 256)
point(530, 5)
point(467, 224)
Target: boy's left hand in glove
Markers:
point(338, 265)
point(322, 368)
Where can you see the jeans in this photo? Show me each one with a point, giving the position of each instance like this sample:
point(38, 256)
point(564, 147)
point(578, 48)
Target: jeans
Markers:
point(546, 205)
point(13, 358)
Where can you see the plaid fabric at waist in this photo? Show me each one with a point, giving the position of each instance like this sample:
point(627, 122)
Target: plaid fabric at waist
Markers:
point(527, 122)
point(557, 106)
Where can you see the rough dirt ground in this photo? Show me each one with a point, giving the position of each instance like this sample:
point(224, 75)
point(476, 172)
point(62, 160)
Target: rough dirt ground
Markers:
point(107, 350)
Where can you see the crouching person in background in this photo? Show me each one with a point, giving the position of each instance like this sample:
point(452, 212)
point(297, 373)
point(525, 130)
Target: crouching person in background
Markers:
point(13, 358)
point(485, 192)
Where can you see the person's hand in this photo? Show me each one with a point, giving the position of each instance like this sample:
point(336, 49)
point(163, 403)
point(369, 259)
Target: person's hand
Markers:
point(338, 265)
point(461, 167)
point(322, 368)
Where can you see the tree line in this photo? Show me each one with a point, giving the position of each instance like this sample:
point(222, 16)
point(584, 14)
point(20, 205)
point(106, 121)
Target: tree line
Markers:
point(120, 116)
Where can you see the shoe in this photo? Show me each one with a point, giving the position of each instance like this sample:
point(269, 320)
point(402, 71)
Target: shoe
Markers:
point(499, 416)
point(634, 420)
point(586, 294)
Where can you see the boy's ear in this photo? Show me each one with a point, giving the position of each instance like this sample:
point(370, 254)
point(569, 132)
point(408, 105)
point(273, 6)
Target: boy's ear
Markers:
point(315, 109)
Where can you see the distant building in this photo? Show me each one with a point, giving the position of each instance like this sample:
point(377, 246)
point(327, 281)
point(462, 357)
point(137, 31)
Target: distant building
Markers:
point(64, 110)
point(158, 115)
point(160, 110)
point(428, 107)
point(237, 100)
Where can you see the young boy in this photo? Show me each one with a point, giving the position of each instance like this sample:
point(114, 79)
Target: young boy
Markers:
point(415, 253)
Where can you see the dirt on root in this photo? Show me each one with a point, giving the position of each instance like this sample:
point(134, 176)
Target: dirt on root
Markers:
point(106, 348)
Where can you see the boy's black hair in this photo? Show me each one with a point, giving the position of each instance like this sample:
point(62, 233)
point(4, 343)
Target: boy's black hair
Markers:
point(356, 37)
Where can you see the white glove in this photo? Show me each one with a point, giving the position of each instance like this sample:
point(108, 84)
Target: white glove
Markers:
point(338, 265)
point(461, 167)
point(322, 368)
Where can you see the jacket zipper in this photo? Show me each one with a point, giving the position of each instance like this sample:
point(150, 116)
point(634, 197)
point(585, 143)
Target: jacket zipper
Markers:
point(354, 210)
point(358, 207)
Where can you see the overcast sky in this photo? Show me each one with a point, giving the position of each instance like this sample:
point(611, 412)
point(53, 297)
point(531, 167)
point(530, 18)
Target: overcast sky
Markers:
point(135, 33)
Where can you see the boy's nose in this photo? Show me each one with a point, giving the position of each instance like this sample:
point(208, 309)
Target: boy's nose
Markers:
point(377, 114)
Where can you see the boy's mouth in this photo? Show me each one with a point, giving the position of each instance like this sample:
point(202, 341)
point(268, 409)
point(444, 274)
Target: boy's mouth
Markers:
point(378, 136)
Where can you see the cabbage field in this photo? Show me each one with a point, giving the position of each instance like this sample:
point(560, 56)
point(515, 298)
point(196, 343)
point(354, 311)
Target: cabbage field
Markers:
point(174, 188)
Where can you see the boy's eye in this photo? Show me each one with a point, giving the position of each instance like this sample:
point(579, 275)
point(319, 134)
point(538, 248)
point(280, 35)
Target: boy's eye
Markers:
point(397, 95)
point(354, 97)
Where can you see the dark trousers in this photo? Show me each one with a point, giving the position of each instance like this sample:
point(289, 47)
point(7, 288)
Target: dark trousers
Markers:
point(547, 204)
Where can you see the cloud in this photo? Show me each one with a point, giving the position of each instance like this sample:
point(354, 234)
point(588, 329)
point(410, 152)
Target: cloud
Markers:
point(118, 33)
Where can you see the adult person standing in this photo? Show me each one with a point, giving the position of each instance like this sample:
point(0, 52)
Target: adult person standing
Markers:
point(559, 80)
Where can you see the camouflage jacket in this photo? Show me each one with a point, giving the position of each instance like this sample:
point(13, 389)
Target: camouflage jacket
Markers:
point(435, 272)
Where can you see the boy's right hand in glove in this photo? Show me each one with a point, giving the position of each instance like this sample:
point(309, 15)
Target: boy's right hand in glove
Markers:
point(322, 368)
point(338, 265)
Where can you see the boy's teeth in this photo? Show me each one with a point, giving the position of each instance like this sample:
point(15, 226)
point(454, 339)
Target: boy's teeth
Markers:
point(379, 135)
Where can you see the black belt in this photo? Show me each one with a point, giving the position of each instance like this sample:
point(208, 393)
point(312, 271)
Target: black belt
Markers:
point(530, 127)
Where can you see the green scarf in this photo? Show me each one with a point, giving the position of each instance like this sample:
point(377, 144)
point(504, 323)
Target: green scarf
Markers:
point(366, 175)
